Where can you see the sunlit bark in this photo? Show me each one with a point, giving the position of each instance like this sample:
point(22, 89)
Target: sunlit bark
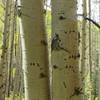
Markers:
point(34, 51)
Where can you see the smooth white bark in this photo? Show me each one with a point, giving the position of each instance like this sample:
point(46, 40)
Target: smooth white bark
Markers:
point(34, 51)
point(65, 71)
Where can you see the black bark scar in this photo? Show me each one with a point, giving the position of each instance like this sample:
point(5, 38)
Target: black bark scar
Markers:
point(42, 75)
point(64, 84)
point(62, 18)
point(77, 92)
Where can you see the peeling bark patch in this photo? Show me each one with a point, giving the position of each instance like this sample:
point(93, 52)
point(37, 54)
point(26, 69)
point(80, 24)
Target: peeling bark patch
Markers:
point(42, 75)
point(56, 45)
point(44, 42)
point(64, 85)
point(77, 92)
point(55, 66)
point(55, 42)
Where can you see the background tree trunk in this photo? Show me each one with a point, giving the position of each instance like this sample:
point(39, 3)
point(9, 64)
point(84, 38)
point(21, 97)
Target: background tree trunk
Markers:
point(11, 46)
point(4, 51)
point(90, 49)
point(83, 60)
point(99, 59)
point(84, 69)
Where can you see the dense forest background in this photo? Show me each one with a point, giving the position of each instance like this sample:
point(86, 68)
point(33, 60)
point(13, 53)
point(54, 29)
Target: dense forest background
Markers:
point(49, 49)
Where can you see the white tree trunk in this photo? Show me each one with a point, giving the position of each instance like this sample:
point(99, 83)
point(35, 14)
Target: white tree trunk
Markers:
point(64, 60)
point(34, 51)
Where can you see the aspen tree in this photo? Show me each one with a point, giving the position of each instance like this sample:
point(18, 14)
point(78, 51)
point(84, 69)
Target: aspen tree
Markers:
point(34, 50)
point(65, 55)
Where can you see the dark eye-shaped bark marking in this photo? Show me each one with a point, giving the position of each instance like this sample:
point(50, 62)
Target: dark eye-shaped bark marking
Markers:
point(38, 64)
point(33, 64)
point(55, 66)
point(74, 56)
point(0, 75)
point(64, 85)
point(77, 92)
point(44, 42)
point(62, 17)
point(66, 66)
point(1, 86)
point(42, 75)
point(65, 32)
point(65, 59)
point(2, 56)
